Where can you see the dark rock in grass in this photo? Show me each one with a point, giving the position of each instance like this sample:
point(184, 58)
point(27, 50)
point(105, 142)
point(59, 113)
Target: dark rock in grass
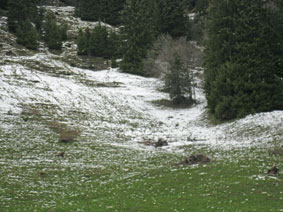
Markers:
point(148, 142)
point(66, 139)
point(273, 170)
point(161, 143)
point(67, 136)
point(11, 53)
point(195, 159)
point(60, 154)
point(42, 173)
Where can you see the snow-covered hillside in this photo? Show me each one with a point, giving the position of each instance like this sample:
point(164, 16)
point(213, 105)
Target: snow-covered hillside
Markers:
point(114, 107)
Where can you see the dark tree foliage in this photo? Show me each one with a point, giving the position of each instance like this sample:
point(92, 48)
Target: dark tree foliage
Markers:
point(3, 4)
point(69, 2)
point(20, 11)
point(88, 9)
point(83, 42)
point(27, 35)
point(173, 18)
point(139, 33)
point(24, 21)
point(107, 11)
point(202, 6)
point(53, 33)
point(99, 42)
point(191, 4)
point(178, 81)
point(113, 45)
point(243, 68)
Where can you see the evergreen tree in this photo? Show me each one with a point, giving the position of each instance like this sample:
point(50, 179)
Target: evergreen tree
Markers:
point(191, 4)
point(242, 73)
point(21, 10)
point(114, 63)
point(172, 18)
point(63, 30)
point(27, 35)
point(88, 10)
point(201, 6)
point(3, 4)
point(138, 32)
point(113, 45)
point(98, 41)
point(54, 33)
point(54, 38)
point(178, 81)
point(110, 11)
point(100, 10)
point(83, 42)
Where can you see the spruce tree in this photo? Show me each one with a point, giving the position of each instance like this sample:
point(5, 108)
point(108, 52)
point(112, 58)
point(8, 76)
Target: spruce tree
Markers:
point(178, 81)
point(21, 10)
point(83, 42)
point(63, 30)
point(3, 4)
point(89, 10)
point(107, 11)
point(139, 33)
point(173, 18)
point(98, 41)
point(27, 35)
point(242, 73)
point(53, 33)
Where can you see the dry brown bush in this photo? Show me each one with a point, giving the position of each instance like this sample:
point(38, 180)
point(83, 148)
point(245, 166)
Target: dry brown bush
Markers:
point(65, 133)
point(163, 51)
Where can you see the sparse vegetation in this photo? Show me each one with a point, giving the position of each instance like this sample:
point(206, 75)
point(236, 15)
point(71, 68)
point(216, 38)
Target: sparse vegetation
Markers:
point(54, 34)
point(67, 136)
point(278, 150)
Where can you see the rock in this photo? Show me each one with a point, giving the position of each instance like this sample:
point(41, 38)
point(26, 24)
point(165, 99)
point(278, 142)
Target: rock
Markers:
point(42, 173)
point(161, 143)
point(195, 159)
point(273, 170)
point(147, 142)
point(10, 53)
point(60, 154)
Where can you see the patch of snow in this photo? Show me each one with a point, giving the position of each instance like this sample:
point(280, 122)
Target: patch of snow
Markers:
point(124, 114)
point(127, 109)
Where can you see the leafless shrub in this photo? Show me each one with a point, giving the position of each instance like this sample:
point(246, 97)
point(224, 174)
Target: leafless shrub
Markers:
point(30, 111)
point(163, 51)
point(277, 150)
point(66, 134)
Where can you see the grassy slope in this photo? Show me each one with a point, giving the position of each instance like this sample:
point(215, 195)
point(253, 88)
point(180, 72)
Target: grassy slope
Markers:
point(98, 175)
point(219, 186)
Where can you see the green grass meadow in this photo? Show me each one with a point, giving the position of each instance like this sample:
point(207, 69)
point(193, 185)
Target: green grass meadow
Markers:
point(93, 176)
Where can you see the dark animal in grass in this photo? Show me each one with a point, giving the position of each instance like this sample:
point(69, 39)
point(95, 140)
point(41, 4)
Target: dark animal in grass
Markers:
point(273, 170)
point(195, 159)
point(60, 154)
